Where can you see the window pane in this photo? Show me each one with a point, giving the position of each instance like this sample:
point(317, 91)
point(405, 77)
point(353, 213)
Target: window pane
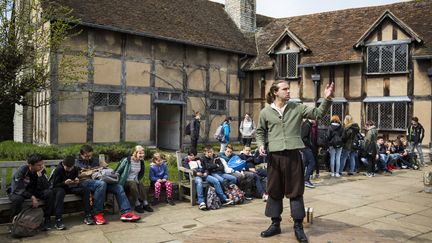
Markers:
point(337, 109)
point(386, 116)
point(401, 52)
point(292, 65)
point(386, 59)
point(373, 59)
point(176, 96)
point(282, 64)
point(213, 104)
point(222, 105)
point(114, 99)
point(400, 110)
point(100, 99)
point(372, 112)
point(163, 96)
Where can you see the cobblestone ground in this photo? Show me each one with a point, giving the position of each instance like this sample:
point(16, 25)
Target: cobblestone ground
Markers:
point(385, 208)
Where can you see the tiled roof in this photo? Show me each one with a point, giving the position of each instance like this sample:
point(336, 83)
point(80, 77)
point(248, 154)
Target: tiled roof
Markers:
point(330, 36)
point(195, 22)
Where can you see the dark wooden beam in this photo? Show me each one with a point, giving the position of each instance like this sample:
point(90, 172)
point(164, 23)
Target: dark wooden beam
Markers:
point(90, 82)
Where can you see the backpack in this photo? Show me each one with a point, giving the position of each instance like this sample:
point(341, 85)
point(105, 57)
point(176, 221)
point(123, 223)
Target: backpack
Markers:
point(187, 130)
point(322, 139)
point(27, 223)
point(234, 193)
point(213, 201)
point(236, 163)
point(358, 142)
point(219, 134)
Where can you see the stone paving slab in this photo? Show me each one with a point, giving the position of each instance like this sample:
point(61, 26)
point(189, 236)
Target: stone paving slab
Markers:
point(397, 233)
point(148, 234)
point(396, 206)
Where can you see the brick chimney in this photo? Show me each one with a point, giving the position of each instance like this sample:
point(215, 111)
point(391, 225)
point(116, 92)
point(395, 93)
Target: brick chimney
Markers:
point(243, 13)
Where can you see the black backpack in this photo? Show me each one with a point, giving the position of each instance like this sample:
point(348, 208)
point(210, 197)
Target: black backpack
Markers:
point(188, 129)
point(358, 142)
point(27, 223)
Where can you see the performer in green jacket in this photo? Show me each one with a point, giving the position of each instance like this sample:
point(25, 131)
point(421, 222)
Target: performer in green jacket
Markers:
point(280, 126)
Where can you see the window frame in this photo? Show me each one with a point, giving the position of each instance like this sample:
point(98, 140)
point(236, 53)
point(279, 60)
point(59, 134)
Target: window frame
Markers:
point(379, 120)
point(108, 94)
point(381, 45)
point(218, 104)
point(287, 53)
point(321, 123)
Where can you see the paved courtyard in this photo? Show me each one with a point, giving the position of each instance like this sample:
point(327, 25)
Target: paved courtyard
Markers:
point(350, 209)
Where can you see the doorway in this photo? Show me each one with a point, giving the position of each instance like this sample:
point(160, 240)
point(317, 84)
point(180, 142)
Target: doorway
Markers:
point(168, 126)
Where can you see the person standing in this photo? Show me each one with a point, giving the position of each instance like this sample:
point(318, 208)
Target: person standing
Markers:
point(351, 130)
point(195, 130)
point(371, 147)
point(415, 136)
point(308, 156)
point(226, 127)
point(281, 123)
point(247, 130)
point(334, 134)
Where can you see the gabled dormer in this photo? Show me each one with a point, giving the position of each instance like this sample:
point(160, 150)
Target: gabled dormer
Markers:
point(286, 50)
point(387, 45)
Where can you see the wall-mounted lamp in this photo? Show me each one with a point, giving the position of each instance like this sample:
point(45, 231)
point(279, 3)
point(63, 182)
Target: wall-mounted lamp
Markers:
point(261, 81)
point(316, 78)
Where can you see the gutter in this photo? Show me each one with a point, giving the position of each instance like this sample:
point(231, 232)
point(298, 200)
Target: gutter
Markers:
point(423, 57)
point(330, 63)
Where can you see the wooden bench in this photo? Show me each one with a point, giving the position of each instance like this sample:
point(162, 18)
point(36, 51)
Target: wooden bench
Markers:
point(10, 167)
point(186, 184)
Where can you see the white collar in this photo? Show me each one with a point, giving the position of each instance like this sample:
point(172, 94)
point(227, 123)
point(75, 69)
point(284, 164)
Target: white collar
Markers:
point(281, 110)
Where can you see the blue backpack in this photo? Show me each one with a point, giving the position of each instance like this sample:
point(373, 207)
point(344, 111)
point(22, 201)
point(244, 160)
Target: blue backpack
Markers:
point(236, 163)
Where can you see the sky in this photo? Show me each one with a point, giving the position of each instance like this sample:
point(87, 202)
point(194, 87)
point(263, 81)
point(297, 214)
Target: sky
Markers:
point(288, 8)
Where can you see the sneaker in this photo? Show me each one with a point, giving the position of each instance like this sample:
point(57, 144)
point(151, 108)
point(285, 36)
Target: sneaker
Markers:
point(139, 209)
point(248, 198)
point(404, 167)
point(337, 175)
point(88, 220)
point(368, 174)
point(332, 174)
point(350, 173)
point(317, 176)
point(387, 172)
point(415, 167)
point(155, 202)
point(148, 208)
point(373, 174)
point(129, 217)
point(202, 206)
point(99, 219)
point(309, 184)
point(59, 224)
point(228, 202)
point(47, 224)
point(170, 202)
point(265, 197)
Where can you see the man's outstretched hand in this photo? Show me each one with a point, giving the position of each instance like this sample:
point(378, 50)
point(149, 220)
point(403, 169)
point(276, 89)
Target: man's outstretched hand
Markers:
point(329, 90)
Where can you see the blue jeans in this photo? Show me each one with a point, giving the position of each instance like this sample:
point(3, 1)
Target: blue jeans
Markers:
point(214, 182)
point(99, 189)
point(221, 176)
point(335, 158)
point(259, 187)
point(352, 156)
point(309, 163)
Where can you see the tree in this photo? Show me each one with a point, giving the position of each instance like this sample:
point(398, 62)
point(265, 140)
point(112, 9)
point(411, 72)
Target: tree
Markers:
point(30, 32)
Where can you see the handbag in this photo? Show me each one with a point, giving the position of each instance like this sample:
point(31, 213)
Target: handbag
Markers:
point(107, 175)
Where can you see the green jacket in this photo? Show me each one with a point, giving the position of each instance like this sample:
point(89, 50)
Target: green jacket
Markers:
point(123, 169)
point(370, 141)
point(285, 133)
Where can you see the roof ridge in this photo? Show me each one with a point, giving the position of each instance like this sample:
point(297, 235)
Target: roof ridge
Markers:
point(351, 9)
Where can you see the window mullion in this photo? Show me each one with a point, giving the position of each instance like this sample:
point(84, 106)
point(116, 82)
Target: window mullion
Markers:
point(379, 115)
point(393, 115)
point(394, 58)
point(379, 58)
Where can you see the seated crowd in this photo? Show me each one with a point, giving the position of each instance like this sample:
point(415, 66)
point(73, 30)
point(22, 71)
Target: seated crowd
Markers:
point(225, 169)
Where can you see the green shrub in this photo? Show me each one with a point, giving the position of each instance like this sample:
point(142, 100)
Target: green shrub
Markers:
point(12, 151)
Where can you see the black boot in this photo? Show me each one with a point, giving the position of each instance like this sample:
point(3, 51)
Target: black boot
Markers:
point(298, 231)
point(273, 229)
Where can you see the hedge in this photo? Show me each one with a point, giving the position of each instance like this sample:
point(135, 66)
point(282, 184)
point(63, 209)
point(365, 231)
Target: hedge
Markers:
point(12, 151)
